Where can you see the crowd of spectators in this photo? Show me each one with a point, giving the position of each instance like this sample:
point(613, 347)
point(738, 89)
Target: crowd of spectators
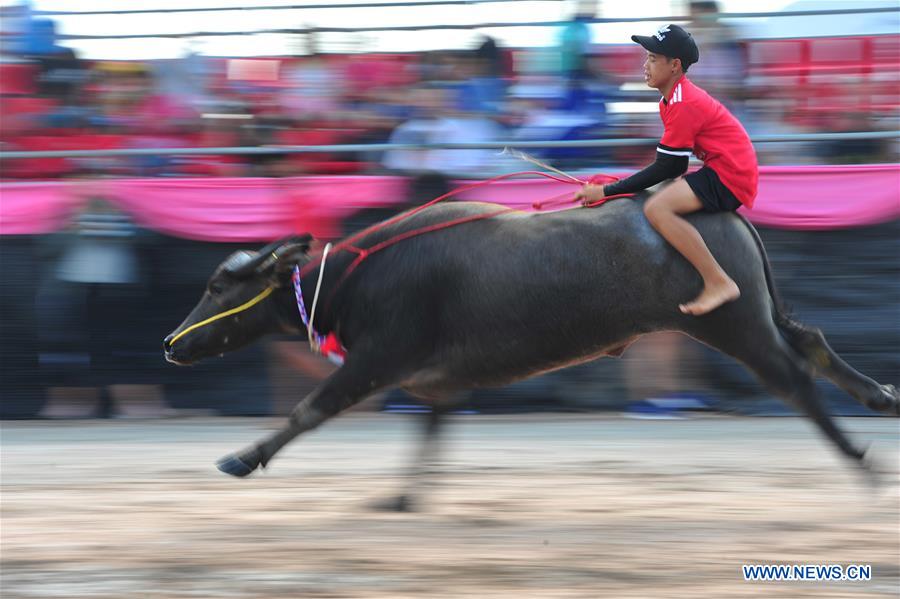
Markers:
point(53, 101)
point(87, 278)
point(580, 89)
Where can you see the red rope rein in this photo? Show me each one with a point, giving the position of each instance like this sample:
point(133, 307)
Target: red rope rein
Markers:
point(450, 194)
point(363, 253)
point(347, 244)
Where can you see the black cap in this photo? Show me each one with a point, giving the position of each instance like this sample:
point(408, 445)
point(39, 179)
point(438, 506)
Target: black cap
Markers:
point(671, 41)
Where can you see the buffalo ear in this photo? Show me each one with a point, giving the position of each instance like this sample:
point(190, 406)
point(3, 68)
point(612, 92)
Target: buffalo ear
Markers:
point(290, 255)
point(288, 250)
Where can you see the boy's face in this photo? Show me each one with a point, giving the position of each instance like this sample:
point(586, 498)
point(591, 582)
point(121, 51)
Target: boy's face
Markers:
point(660, 70)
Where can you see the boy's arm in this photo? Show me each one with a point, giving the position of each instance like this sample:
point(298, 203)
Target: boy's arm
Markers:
point(666, 166)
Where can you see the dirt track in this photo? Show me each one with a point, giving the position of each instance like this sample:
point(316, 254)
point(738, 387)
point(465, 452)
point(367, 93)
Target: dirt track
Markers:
point(537, 506)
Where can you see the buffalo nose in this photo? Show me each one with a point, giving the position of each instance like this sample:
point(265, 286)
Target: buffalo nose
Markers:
point(167, 342)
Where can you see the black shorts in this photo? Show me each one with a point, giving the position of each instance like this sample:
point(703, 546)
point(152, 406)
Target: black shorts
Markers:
point(712, 193)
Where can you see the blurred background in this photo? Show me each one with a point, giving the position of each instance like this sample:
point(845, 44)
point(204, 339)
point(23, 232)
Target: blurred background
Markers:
point(142, 142)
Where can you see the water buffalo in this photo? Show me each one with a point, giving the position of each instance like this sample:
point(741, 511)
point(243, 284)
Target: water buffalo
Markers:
point(493, 300)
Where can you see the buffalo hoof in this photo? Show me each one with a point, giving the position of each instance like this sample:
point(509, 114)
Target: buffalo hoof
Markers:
point(894, 394)
point(235, 466)
point(870, 469)
point(399, 504)
point(886, 399)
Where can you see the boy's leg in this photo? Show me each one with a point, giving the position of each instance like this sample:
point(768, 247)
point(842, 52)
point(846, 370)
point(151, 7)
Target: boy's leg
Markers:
point(663, 210)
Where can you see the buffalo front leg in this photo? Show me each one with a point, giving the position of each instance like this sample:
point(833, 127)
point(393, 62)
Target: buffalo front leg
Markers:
point(421, 467)
point(344, 388)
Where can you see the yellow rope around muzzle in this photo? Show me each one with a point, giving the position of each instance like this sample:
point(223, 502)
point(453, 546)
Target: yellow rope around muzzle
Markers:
point(265, 293)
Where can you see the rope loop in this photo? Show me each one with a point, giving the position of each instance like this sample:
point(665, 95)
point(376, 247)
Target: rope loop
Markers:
point(313, 341)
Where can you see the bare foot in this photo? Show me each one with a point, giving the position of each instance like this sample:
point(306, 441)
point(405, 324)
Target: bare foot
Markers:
point(711, 298)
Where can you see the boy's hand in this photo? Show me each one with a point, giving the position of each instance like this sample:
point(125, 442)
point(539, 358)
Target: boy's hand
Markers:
point(590, 193)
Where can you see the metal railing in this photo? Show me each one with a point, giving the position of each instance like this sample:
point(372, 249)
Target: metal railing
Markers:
point(724, 15)
point(333, 5)
point(497, 145)
point(295, 30)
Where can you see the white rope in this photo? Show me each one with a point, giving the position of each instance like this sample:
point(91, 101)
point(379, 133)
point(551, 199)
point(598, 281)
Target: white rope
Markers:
point(528, 158)
point(312, 313)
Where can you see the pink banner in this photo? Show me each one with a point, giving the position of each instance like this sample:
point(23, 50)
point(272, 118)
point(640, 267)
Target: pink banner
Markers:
point(207, 209)
point(826, 197)
point(235, 210)
point(40, 207)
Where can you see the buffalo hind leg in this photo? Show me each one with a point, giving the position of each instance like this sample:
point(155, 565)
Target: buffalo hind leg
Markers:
point(788, 375)
point(345, 387)
point(811, 344)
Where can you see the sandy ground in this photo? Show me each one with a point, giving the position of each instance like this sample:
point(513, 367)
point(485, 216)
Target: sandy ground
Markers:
point(537, 506)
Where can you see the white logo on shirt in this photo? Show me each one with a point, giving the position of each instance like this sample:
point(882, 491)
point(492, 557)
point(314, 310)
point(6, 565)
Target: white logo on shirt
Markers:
point(676, 94)
point(660, 33)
